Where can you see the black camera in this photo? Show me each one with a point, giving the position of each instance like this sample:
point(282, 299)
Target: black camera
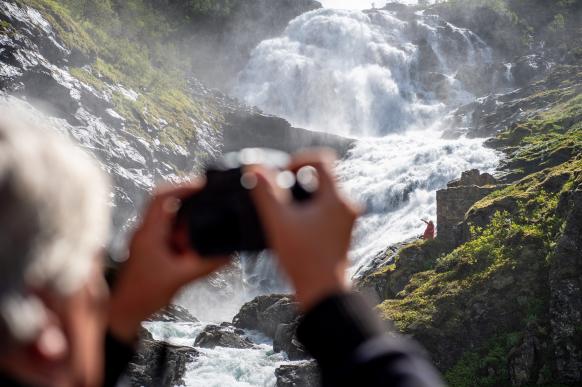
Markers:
point(222, 219)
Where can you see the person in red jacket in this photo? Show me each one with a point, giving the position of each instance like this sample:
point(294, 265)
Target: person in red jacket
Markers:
point(429, 231)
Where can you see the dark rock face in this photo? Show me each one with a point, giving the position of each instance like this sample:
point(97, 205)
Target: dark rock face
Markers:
point(523, 360)
point(298, 375)
point(566, 293)
point(224, 335)
point(159, 364)
point(286, 340)
point(473, 177)
point(276, 316)
point(257, 130)
point(454, 201)
point(173, 313)
point(265, 313)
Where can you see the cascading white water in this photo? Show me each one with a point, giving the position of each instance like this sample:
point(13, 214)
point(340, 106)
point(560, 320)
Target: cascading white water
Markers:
point(385, 81)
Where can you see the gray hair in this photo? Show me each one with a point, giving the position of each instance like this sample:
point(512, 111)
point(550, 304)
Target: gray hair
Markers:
point(54, 218)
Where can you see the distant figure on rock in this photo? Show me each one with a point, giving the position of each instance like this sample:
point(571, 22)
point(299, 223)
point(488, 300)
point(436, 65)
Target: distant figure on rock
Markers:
point(429, 231)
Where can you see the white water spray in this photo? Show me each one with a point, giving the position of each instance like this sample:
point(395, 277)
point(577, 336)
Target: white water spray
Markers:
point(388, 82)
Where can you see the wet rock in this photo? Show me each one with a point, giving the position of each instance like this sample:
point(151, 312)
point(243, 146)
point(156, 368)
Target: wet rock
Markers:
point(258, 130)
point(286, 340)
point(173, 313)
point(265, 313)
point(489, 115)
point(159, 364)
point(298, 375)
point(225, 335)
point(529, 67)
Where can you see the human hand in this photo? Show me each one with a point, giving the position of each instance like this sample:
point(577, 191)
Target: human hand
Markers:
point(311, 238)
point(155, 270)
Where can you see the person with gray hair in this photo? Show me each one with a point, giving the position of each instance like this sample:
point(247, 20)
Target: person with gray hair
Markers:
point(57, 326)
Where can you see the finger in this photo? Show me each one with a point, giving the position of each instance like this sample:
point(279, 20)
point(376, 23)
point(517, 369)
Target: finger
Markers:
point(191, 266)
point(268, 197)
point(166, 200)
point(323, 160)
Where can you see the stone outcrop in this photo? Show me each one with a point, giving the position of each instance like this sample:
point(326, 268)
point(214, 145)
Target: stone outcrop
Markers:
point(173, 313)
point(304, 374)
point(265, 313)
point(286, 340)
point(258, 130)
point(276, 316)
point(159, 364)
point(223, 335)
point(454, 201)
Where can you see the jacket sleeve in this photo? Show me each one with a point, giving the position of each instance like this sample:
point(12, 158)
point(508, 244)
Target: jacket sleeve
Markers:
point(117, 356)
point(352, 349)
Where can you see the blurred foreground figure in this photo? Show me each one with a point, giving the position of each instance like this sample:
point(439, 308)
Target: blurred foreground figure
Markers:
point(58, 325)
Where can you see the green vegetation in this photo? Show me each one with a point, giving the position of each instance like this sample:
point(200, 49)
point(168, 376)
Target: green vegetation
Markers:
point(126, 44)
point(474, 305)
point(550, 138)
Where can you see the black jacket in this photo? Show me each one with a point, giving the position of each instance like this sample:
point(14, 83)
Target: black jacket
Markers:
point(352, 349)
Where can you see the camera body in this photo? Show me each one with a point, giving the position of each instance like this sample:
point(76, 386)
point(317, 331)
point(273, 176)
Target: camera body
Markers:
point(222, 219)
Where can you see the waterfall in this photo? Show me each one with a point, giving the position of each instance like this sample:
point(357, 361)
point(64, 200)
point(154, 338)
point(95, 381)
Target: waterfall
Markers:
point(385, 80)
point(388, 81)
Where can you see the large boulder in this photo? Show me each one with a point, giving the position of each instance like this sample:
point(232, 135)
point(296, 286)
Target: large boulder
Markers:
point(259, 130)
point(305, 374)
point(265, 313)
point(173, 313)
point(286, 340)
point(159, 364)
point(224, 335)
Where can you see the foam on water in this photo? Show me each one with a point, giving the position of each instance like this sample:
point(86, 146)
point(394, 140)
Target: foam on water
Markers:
point(222, 366)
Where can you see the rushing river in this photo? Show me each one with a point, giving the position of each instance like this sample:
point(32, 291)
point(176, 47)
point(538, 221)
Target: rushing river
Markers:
point(373, 77)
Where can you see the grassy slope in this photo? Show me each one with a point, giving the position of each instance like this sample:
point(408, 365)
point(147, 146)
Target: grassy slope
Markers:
point(482, 297)
point(120, 58)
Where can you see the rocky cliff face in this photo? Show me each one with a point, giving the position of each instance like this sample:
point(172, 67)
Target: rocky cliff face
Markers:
point(142, 134)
